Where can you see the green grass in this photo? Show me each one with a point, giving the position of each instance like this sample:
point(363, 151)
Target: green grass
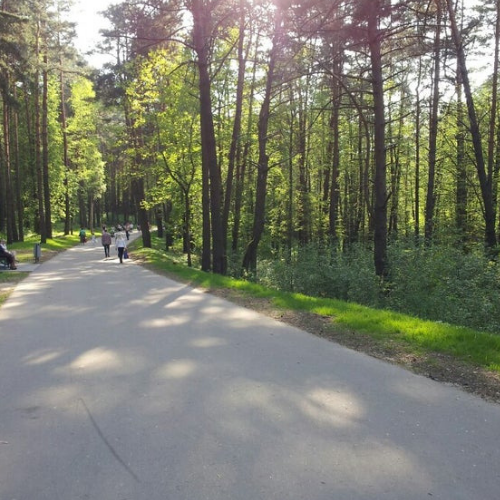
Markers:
point(414, 335)
point(24, 249)
point(24, 253)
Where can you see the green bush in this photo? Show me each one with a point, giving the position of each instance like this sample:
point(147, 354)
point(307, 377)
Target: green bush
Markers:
point(438, 283)
point(445, 284)
point(320, 272)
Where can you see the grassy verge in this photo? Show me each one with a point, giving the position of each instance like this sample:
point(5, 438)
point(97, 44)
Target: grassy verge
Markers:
point(24, 253)
point(24, 249)
point(412, 335)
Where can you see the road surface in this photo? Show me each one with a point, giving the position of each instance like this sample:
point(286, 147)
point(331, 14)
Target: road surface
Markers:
point(119, 384)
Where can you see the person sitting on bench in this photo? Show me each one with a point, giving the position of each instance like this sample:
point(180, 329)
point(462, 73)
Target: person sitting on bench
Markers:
point(8, 256)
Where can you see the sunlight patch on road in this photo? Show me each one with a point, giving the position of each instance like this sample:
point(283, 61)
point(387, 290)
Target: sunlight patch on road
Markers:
point(53, 397)
point(163, 322)
point(209, 342)
point(185, 300)
point(339, 460)
point(102, 360)
point(154, 296)
point(42, 356)
point(213, 310)
point(330, 407)
point(177, 369)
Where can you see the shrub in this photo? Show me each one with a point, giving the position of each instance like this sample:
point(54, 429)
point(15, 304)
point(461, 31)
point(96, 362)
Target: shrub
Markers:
point(437, 283)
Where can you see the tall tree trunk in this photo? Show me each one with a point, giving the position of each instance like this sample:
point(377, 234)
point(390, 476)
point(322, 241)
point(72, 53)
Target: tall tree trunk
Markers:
point(38, 147)
point(18, 176)
point(236, 134)
point(461, 193)
point(380, 183)
point(91, 212)
point(334, 187)
point(304, 214)
point(7, 188)
point(62, 118)
point(492, 172)
point(291, 185)
point(250, 257)
point(187, 228)
point(242, 162)
point(486, 189)
point(433, 130)
point(396, 171)
point(418, 112)
point(202, 23)
point(45, 147)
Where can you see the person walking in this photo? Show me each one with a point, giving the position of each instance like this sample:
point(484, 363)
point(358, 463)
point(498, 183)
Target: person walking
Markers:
point(121, 245)
point(83, 235)
point(106, 242)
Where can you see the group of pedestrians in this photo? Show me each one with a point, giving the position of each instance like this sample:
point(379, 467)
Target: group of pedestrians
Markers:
point(120, 237)
point(120, 244)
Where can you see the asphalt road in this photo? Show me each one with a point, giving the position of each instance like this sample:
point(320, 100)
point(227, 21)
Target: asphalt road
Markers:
point(118, 384)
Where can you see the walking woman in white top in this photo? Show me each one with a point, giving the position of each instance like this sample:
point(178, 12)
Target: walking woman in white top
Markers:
point(121, 245)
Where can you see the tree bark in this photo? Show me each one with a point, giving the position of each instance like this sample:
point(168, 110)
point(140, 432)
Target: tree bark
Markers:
point(380, 183)
point(461, 193)
point(250, 257)
point(7, 188)
point(486, 189)
point(236, 134)
point(19, 198)
point(45, 147)
point(334, 150)
point(202, 23)
point(430, 203)
point(42, 229)
point(242, 162)
point(492, 171)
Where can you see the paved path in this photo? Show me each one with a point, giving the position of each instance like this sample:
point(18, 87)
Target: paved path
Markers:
point(118, 384)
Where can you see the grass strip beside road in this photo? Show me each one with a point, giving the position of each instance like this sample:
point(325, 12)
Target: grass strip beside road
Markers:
point(412, 335)
point(24, 253)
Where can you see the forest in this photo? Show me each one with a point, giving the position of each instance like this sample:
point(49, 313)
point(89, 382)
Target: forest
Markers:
point(338, 148)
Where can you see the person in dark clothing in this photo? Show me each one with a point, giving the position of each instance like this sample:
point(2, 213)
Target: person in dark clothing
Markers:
point(8, 256)
point(106, 242)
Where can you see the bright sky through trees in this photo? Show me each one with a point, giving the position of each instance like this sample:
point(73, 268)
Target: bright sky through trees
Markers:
point(86, 13)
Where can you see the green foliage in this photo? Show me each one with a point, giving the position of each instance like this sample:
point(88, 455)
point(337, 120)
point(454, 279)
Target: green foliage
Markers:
point(437, 283)
point(58, 243)
point(442, 283)
point(322, 272)
point(87, 168)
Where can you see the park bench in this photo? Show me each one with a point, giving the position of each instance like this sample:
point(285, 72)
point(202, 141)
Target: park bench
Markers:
point(4, 263)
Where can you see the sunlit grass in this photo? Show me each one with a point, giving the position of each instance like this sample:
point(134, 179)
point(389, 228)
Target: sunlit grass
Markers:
point(464, 343)
point(412, 334)
point(25, 249)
